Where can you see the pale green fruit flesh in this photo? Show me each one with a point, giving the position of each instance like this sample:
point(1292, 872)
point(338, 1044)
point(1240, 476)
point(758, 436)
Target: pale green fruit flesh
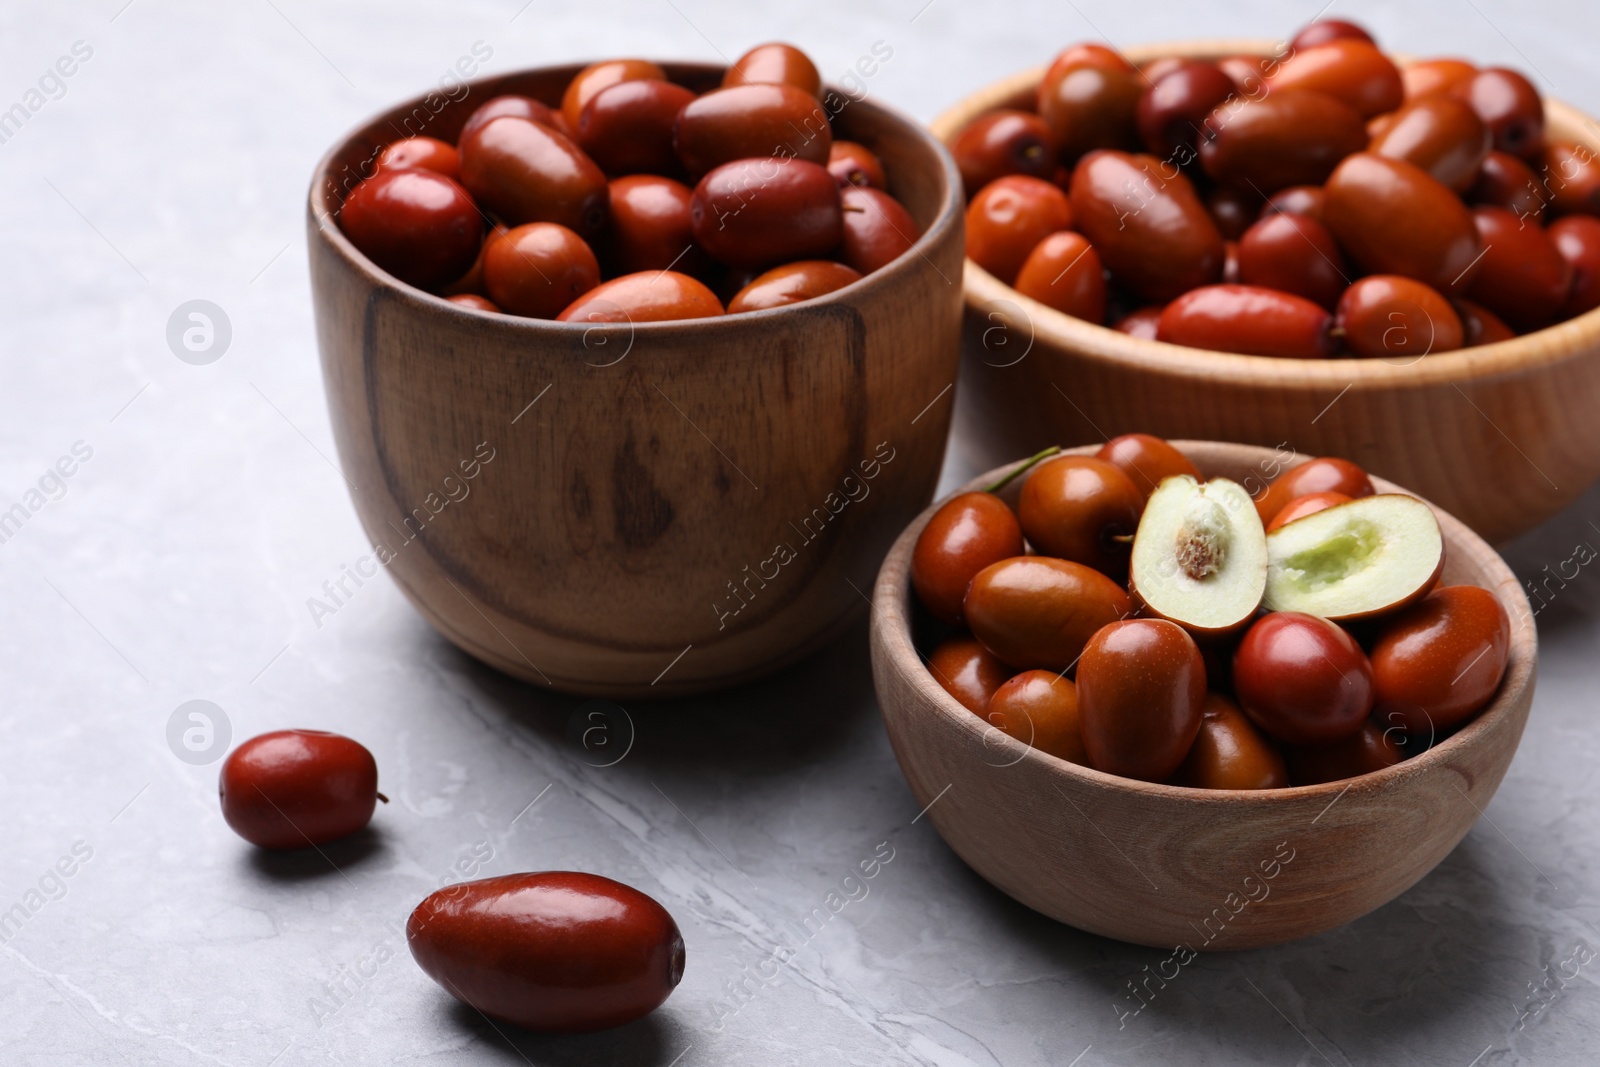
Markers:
point(1200, 556)
point(1359, 558)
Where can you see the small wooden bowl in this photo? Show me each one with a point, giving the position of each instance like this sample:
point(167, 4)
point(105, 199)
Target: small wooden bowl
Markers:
point(668, 508)
point(1503, 436)
point(1163, 865)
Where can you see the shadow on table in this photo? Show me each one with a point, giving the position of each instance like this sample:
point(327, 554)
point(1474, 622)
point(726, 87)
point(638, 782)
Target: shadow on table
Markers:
point(320, 862)
point(654, 1041)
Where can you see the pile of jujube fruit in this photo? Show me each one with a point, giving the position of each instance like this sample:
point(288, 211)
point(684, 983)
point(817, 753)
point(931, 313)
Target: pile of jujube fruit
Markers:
point(1129, 616)
point(635, 199)
point(1317, 202)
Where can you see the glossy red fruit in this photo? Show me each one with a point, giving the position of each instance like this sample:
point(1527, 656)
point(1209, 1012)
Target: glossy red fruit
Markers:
point(298, 788)
point(428, 153)
point(855, 164)
point(1301, 506)
point(1440, 134)
point(1429, 76)
point(1145, 323)
point(473, 301)
point(1141, 693)
point(1146, 460)
point(1008, 217)
point(1088, 54)
point(1322, 475)
point(1371, 748)
point(1074, 507)
point(968, 671)
point(876, 229)
point(757, 213)
point(1173, 109)
point(650, 226)
point(1035, 612)
point(1523, 277)
point(1395, 318)
point(597, 77)
point(538, 269)
point(648, 296)
point(792, 283)
point(1146, 222)
point(1577, 238)
point(1302, 679)
point(774, 63)
point(1348, 69)
point(525, 172)
point(1287, 137)
point(1504, 180)
point(1480, 326)
point(1233, 210)
point(1063, 271)
point(1294, 253)
point(555, 952)
point(1569, 175)
point(748, 121)
point(1391, 217)
point(1087, 106)
point(520, 107)
point(1295, 200)
point(1325, 30)
point(1510, 106)
point(1248, 319)
point(1438, 662)
point(1002, 142)
point(1040, 708)
point(968, 533)
point(416, 224)
point(627, 128)
point(1230, 753)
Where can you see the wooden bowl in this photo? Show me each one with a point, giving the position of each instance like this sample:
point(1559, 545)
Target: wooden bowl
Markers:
point(1163, 865)
point(1503, 436)
point(665, 508)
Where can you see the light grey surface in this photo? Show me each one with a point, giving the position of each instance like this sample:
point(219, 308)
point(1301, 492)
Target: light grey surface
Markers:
point(179, 562)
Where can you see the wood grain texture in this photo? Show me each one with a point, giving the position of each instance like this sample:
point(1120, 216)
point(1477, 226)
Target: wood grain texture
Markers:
point(1156, 864)
point(640, 479)
point(1503, 436)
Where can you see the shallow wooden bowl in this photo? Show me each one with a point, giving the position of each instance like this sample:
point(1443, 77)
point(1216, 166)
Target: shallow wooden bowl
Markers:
point(667, 508)
point(1502, 436)
point(1166, 866)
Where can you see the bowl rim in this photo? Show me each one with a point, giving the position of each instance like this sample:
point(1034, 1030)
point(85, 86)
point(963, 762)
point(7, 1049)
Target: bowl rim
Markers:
point(950, 213)
point(983, 291)
point(891, 604)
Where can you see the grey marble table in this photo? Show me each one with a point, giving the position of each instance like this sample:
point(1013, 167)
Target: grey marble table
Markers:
point(187, 513)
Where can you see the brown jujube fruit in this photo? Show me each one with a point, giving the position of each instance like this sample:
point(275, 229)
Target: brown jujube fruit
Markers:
point(521, 107)
point(774, 63)
point(1391, 217)
point(556, 951)
point(1438, 662)
point(757, 213)
point(1428, 76)
point(537, 269)
point(1396, 318)
point(1087, 107)
point(649, 296)
point(1230, 262)
point(1325, 30)
point(1147, 224)
point(1141, 694)
point(1302, 679)
point(1172, 111)
point(1372, 748)
point(627, 128)
point(1294, 253)
point(427, 153)
point(876, 229)
point(1233, 210)
point(1522, 277)
point(473, 301)
point(1230, 753)
point(968, 671)
point(1001, 142)
point(792, 283)
point(1509, 105)
point(1088, 54)
point(1295, 200)
point(748, 121)
point(1008, 217)
point(1480, 326)
point(525, 172)
point(1322, 475)
point(1063, 271)
point(1301, 506)
point(1289, 137)
point(1569, 177)
point(1074, 508)
point(1248, 319)
point(1146, 460)
point(854, 164)
point(1037, 613)
point(1577, 238)
point(968, 533)
point(1143, 323)
point(1248, 73)
point(1040, 708)
point(298, 788)
point(1441, 135)
point(1349, 69)
point(1504, 180)
point(650, 226)
point(416, 224)
point(596, 77)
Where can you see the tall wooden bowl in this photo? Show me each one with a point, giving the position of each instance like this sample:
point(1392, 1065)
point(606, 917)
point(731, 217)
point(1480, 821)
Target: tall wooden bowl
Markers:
point(666, 508)
point(1502, 436)
point(1165, 866)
